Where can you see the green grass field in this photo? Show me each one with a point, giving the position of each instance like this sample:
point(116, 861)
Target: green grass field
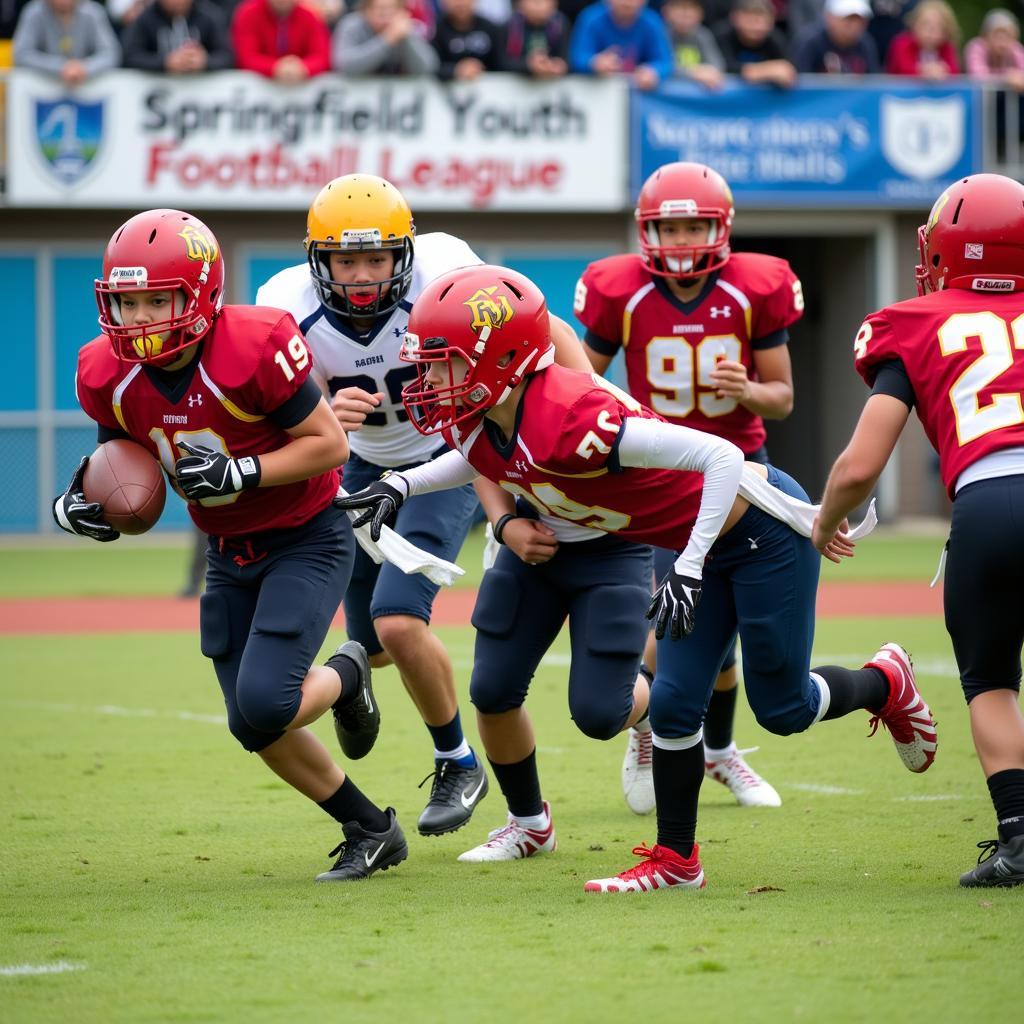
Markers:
point(167, 867)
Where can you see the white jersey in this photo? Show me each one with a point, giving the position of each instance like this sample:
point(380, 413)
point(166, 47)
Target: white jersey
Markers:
point(344, 359)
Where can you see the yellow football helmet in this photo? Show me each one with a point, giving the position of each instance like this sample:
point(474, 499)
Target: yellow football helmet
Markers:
point(355, 213)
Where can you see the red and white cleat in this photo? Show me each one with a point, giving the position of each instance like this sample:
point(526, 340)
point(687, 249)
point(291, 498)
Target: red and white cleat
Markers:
point(661, 868)
point(733, 772)
point(905, 714)
point(514, 842)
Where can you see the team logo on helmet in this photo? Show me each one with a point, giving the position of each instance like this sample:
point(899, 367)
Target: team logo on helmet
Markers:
point(489, 309)
point(198, 245)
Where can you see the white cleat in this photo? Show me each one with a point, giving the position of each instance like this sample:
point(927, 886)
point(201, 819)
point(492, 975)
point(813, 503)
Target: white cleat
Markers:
point(638, 772)
point(742, 781)
point(514, 842)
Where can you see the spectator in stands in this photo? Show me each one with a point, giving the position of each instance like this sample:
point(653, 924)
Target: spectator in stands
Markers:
point(622, 37)
point(694, 49)
point(71, 39)
point(840, 45)
point(281, 39)
point(466, 43)
point(996, 54)
point(752, 47)
point(537, 40)
point(928, 48)
point(179, 36)
point(888, 21)
point(380, 38)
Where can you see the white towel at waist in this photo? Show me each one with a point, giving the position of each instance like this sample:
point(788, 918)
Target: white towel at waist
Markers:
point(796, 514)
point(399, 552)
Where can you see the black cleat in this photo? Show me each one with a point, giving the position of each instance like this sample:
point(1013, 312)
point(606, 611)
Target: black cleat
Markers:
point(357, 724)
point(999, 864)
point(454, 794)
point(362, 853)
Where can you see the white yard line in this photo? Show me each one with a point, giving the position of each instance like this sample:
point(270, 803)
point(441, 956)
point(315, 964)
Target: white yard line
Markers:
point(60, 967)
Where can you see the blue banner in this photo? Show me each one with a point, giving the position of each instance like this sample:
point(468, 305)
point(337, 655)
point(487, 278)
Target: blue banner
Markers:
point(884, 142)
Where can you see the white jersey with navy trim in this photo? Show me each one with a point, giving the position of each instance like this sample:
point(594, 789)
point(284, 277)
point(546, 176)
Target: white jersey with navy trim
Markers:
point(342, 358)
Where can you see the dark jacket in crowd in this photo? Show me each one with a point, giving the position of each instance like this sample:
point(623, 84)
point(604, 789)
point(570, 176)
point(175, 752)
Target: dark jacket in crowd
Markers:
point(482, 40)
point(153, 35)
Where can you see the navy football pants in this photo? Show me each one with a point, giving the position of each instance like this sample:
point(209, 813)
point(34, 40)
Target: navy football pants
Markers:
point(436, 522)
point(761, 579)
point(603, 587)
point(269, 602)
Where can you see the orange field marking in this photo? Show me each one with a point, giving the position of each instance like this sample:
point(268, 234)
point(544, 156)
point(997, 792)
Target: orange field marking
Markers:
point(53, 615)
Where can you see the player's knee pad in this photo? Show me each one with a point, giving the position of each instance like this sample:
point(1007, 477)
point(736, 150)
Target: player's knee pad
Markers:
point(497, 604)
point(616, 620)
point(785, 721)
point(972, 689)
point(249, 738)
point(599, 722)
point(214, 625)
point(675, 713)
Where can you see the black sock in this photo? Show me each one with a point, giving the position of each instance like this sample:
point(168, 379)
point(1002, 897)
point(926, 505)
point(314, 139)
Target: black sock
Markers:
point(520, 785)
point(348, 672)
point(1007, 790)
point(718, 721)
point(350, 804)
point(677, 778)
point(853, 688)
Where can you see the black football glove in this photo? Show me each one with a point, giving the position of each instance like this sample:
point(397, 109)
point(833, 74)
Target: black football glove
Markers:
point(380, 502)
point(673, 605)
point(76, 515)
point(204, 473)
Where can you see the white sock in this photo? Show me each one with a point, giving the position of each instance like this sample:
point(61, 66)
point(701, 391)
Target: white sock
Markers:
point(719, 755)
point(536, 822)
point(461, 751)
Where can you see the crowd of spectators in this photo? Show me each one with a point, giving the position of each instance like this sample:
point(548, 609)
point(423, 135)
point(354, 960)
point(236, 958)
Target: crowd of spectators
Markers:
point(761, 41)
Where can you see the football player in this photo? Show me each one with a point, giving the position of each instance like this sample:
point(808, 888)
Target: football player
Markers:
point(704, 332)
point(590, 461)
point(221, 395)
point(954, 354)
point(364, 269)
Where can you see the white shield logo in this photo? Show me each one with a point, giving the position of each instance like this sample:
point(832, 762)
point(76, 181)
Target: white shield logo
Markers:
point(922, 138)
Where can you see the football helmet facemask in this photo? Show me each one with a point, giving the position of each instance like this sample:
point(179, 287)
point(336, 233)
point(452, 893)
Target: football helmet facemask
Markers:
point(161, 250)
point(495, 322)
point(974, 237)
point(360, 213)
point(684, 190)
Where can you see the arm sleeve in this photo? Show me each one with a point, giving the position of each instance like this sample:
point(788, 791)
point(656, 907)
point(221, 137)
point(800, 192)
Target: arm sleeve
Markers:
point(293, 411)
point(245, 37)
point(710, 52)
point(140, 49)
point(773, 340)
point(891, 378)
point(875, 344)
point(278, 374)
point(216, 41)
point(596, 311)
point(418, 56)
point(583, 45)
point(353, 51)
point(659, 56)
point(441, 474)
point(105, 434)
point(777, 296)
point(107, 54)
point(653, 444)
point(28, 44)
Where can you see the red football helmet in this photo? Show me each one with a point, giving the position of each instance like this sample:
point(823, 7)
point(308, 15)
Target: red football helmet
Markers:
point(687, 190)
point(974, 237)
point(161, 250)
point(491, 318)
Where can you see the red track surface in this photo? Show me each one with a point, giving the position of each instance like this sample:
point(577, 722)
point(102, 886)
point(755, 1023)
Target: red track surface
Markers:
point(452, 608)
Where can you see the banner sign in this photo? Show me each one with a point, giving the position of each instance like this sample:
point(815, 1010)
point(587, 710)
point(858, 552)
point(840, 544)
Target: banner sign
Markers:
point(237, 140)
point(874, 142)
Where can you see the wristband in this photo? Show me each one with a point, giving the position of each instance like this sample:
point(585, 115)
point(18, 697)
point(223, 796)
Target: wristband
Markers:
point(499, 527)
point(251, 471)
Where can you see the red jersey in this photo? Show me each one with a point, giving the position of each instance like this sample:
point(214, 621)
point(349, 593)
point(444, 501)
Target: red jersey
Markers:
point(964, 354)
point(562, 462)
point(671, 347)
point(252, 361)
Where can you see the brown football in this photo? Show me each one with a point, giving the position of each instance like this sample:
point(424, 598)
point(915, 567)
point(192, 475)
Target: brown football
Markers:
point(128, 482)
